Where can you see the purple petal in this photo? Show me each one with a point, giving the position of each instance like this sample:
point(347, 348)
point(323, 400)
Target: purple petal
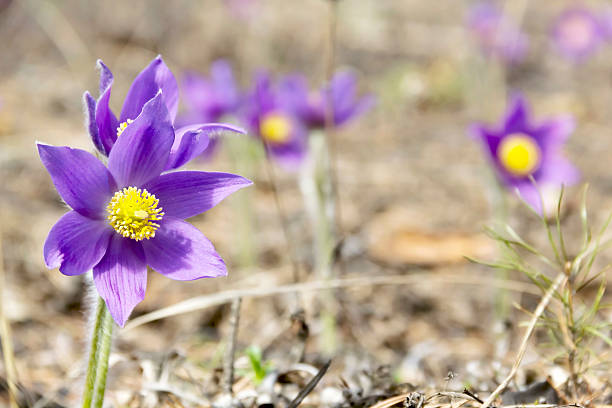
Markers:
point(358, 108)
point(89, 105)
point(197, 93)
point(490, 140)
point(141, 152)
point(293, 94)
point(554, 132)
point(529, 193)
point(517, 117)
point(208, 99)
point(76, 244)
point(559, 170)
point(191, 141)
point(343, 87)
point(80, 179)
point(149, 81)
point(106, 121)
point(106, 76)
point(121, 277)
point(224, 83)
point(184, 194)
point(180, 251)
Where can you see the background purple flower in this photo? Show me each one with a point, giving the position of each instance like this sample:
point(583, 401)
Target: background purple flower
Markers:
point(243, 9)
point(272, 119)
point(130, 215)
point(520, 148)
point(496, 34)
point(312, 107)
point(605, 21)
point(578, 33)
point(209, 99)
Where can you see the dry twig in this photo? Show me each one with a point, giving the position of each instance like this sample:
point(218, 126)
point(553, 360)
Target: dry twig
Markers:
point(561, 279)
point(219, 298)
point(310, 386)
point(228, 363)
point(7, 344)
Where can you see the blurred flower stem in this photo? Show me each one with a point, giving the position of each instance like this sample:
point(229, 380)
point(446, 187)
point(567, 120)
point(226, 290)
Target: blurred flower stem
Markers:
point(243, 153)
point(95, 381)
point(316, 187)
point(319, 199)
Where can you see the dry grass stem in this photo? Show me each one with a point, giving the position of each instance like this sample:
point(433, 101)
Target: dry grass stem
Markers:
point(228, 362)
point(219, 298)
point(7, 344)
point(561, 279)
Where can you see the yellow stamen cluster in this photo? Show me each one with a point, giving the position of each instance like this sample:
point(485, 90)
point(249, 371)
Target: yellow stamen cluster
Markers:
point(519, 154)
point(275, 128)
point(122, 126)
point(132, 212)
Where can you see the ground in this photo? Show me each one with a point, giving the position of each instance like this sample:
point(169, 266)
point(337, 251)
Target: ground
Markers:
point(405, 311)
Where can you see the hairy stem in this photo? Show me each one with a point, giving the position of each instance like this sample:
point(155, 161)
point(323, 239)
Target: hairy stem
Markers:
point(93, 352)
point(95, 380)
point(104, 347)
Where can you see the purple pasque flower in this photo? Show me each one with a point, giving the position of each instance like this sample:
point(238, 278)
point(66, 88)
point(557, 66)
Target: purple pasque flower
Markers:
point(520, 148)
point(578, 33)
point(274, 122)
point(605, 21)
point(496, 34)
point(210, 99)
point(104, 127)
point(132, 215)
point(312, 107)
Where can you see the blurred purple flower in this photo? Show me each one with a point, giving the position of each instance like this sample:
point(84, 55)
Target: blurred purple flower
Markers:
point(243, 9)
point(130, 215)
point(104, 127)
point(520, 147)
point(605, 20)
point(272, 119)
point(209, 99)
point(496, 34)
point(312, 108)
point(578, 33)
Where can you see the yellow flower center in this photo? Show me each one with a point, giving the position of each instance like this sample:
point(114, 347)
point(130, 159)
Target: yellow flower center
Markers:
point(275, 128)
point(132, 212)
point(519, 154)
point(122, 126)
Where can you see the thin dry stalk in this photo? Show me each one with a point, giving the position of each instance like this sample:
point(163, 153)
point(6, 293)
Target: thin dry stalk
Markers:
point(310, 386)
point(60, 30)
point(220, 298)
point(542, 406)
point(330, 125)
point(228, 363)
point(292, 254)
point(7, 344)
point(391, 401)
point(185, 396)
point(561, 279)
